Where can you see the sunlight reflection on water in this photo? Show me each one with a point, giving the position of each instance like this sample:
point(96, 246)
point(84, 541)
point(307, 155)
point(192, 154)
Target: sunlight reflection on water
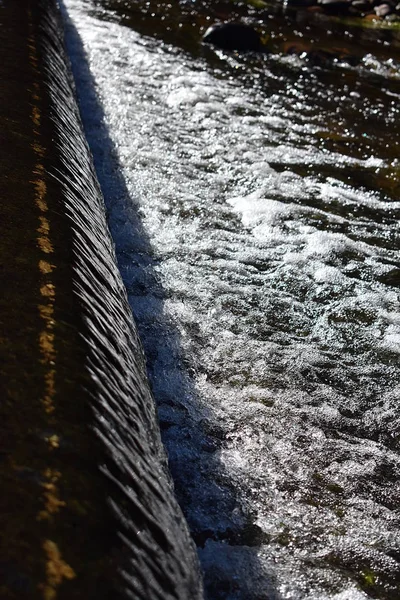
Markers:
point(266, 300)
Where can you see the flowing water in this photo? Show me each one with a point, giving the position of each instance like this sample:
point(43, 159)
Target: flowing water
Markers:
point(253, 201)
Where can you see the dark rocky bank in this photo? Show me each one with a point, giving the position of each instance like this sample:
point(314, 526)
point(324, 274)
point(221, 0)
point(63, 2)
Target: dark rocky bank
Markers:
point(365, 9)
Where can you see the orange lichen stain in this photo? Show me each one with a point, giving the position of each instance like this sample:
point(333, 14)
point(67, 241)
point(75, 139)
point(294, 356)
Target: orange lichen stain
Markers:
point(46, 311)
point(40, 151)
point(49, 380)
point(32, 54)
point(50, 387)
point(44, 227)
point(48, 405)
point(39, 167)
point(56, 570)
point(40, 189)
point(45, 245)
point(53, 504)
point(42, 206)
point(46, 344)
point(43, 239)
point(35, 116)
point(48, 290)
point(45, 267)
point(53, 441)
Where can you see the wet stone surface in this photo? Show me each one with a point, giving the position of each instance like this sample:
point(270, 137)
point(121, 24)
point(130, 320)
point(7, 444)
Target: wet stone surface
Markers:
point(233, 36)
point(357, 8)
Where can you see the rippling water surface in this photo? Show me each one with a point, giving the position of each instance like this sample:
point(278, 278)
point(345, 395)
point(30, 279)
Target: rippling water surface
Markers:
point(253, 201)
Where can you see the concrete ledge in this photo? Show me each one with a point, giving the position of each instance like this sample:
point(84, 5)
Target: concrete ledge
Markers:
point(74, 392)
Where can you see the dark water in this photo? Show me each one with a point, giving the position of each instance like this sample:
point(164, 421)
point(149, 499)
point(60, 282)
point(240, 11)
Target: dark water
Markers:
point(253, 201)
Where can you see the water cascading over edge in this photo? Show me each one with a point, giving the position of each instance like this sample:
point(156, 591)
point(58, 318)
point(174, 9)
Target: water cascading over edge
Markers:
point(161, 557)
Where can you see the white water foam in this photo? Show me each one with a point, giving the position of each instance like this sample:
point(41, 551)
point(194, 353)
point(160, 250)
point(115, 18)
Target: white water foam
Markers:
point(271, 338)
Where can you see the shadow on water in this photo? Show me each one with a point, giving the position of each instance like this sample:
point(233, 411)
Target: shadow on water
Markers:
point(226, 544)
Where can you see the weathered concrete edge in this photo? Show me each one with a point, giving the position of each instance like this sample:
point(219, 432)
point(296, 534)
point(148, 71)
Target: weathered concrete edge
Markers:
point(157, 558)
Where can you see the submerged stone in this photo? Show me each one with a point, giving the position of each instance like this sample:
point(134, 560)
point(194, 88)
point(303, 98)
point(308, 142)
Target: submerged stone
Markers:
point(383, 10)
point(234, 36)
point(335, 7)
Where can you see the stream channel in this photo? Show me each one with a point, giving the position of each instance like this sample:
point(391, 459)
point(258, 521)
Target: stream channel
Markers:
point(253, 200)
